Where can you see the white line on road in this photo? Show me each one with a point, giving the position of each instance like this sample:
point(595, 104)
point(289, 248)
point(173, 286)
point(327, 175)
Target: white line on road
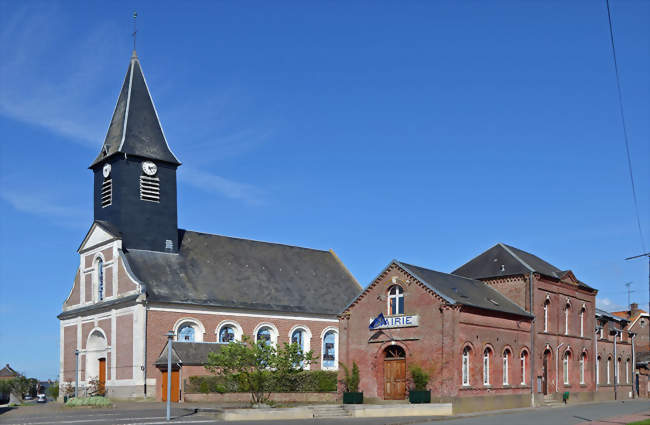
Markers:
point(49, 421)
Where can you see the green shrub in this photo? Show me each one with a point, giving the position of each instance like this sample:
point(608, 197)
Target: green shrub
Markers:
point(420, 377)
point(53, 390)
point(351, 380)
point(95, 401)
point(300, 381)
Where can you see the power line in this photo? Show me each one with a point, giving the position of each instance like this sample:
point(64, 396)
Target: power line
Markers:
point(622, 112)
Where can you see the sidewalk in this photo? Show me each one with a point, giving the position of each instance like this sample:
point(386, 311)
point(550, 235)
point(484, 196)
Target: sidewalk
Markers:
point(623, 420)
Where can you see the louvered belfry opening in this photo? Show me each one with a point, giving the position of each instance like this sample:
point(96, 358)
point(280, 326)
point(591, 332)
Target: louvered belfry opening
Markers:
point(150, 189)
point(107, 192)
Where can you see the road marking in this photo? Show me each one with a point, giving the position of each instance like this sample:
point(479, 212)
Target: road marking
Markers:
point(174, 422)
point(49, 421)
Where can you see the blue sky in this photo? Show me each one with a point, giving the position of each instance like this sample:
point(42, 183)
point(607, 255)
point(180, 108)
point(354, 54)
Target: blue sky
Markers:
point(423, 131)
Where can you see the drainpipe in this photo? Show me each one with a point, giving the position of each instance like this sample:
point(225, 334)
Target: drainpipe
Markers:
point(615, 367)
point(557, 359)
point(633, 335)
point(596, 371)
point(533, 376)
point(146, 314)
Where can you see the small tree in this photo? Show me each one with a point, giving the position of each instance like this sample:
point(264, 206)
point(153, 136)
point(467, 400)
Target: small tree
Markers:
point(351, 380)
point(253, 364)
point(420, 377)
point(53, 390)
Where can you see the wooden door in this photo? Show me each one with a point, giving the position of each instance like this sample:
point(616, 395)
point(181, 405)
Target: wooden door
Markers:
point(394, 379)
point(175, 393)
point(102, 376)
point(545, 375)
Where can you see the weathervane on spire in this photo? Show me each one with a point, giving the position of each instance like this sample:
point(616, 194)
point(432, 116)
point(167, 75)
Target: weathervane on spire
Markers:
point(135, 30)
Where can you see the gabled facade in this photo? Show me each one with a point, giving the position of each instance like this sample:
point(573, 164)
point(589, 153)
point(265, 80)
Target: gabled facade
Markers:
point(140, 276)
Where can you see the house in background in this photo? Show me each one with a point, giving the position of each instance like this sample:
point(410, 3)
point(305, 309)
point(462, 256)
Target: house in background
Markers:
point(6, 373)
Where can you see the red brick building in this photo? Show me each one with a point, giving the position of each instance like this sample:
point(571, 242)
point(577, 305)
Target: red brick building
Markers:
point(139, 276)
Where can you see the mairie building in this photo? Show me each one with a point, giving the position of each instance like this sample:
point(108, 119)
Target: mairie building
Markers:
point(140, 276)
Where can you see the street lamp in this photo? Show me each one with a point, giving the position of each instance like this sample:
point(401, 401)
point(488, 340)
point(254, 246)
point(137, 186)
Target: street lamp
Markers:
point(170, 339)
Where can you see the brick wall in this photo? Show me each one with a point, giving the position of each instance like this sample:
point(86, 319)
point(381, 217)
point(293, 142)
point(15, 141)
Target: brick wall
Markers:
point(124, 360)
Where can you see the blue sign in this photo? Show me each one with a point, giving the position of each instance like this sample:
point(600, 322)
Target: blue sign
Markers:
point(381, 322)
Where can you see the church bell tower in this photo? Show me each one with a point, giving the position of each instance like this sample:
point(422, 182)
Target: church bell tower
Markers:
point(135, 171)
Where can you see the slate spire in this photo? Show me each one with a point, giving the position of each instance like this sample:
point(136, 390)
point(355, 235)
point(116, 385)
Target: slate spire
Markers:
point(135, 128)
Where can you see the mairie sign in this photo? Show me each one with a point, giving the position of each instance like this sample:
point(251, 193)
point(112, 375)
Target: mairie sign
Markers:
point(381, 322)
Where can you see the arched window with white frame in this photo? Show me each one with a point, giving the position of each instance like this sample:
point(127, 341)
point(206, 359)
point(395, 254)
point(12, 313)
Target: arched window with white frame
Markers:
point(583, 357)
point(99, 278)
point(486, 366)
point(582, 321)
point(567, 307)
point(546, 306)
point(330, 350)
point(189, 330)
point(565, 366)
point(465, 366)
point(609, 366)
point(266, 333)
point(395, 300)
point(523, 360)
point(228, 331)
point(617, 375)
point(505, 370)
point(627, 371)
point(598, 370)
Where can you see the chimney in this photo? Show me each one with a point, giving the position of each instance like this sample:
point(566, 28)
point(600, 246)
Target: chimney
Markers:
point(634, 308)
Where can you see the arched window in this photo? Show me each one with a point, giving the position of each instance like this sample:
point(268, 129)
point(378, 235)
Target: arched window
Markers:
point(265, 335)
point(627, 371)
point(99, 266)
point(523, 358)
point(597, 370)
point(186, 333)
point(465, 371)
point(617, 374)
point(582, 368)
point(565, 367)
point(226, 334)
point(506, 358)
point(486, 366)
point(609, 365)
point(546, 304)
point(582, 321)
point(395, 300)
point(330, 350)
point(567, 307)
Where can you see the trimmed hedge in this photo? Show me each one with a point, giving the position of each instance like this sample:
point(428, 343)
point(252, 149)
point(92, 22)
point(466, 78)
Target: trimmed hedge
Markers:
point(305, 381)
point(94, 401)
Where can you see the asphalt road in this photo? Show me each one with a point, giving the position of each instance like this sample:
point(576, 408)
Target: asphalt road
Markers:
point(52, 414)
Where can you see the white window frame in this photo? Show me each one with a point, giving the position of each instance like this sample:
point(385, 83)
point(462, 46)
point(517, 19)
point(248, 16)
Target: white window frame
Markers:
point(617, 372)
point(199, 330)
point(522, 358)
point(399, 294)
point(336, 348)
point(274, 332)
point(582, 368)
point(601, 332)
point(237, 327)
point(566, 319)
point(598, 370)
point(506, 353)
point(627, 371)
point(609, 361)
point(486, 367)
point(565, 367)
point(546, 304)
point(465, 367)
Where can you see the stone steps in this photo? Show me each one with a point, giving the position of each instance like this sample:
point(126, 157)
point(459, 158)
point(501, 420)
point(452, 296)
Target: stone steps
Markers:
point(330, 412)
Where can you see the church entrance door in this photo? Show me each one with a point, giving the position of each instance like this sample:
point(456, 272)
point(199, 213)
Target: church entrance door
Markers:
point(175, 393)
point(101, 388)
point(395, 373)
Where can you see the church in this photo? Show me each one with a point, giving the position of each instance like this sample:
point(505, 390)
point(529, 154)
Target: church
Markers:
point(140, 276)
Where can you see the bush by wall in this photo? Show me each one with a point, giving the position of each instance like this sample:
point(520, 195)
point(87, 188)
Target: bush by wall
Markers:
point(95, 401)
point(303, 381)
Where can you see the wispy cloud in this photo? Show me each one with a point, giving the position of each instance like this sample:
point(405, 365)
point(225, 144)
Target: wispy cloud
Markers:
point(41, 204)
point(217, 184)
point(608, 305)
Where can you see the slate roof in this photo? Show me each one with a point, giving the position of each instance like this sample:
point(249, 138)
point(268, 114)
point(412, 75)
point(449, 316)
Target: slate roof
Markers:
point(188, 353)
point(135, 128)
point(506, 260)
point(241, 273)
point(465, 291)
point(609, 316)
point(8, 372)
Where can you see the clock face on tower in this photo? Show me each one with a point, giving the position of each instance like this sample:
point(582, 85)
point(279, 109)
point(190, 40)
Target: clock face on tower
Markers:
point(149, 168)
point(106, 171)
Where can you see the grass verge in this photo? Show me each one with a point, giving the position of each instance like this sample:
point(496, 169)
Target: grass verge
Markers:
point(94, 401)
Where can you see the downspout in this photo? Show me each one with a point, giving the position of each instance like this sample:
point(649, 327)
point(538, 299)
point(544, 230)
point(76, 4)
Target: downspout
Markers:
point(557, 364)
point(633, 335)
point(442, 314)
point(596, 365)
point(615, 368)
point(146, 315)
point(532, 375)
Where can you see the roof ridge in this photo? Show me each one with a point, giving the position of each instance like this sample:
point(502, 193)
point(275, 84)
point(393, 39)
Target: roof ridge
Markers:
point(515, 256)
point(437, 271)
point(256, 240)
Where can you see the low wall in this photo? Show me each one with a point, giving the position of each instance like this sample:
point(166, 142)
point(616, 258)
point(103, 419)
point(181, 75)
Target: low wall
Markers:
point(329, 397)
point(490, 402)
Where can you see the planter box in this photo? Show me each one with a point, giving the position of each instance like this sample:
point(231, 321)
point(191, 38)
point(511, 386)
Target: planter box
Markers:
point(352, 398)
point(416, 396)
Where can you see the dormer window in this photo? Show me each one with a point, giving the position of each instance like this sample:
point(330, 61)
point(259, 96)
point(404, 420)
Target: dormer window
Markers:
point(395, 300)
